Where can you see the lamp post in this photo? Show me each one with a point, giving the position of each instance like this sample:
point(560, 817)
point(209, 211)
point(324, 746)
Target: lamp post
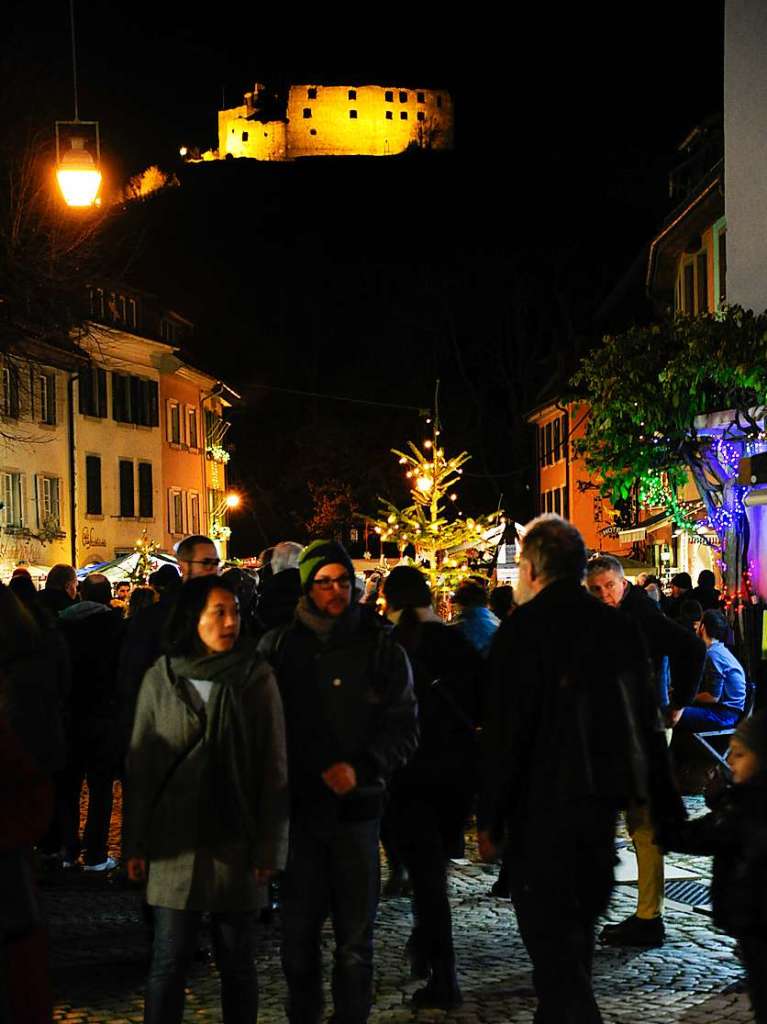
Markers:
point(77, 167)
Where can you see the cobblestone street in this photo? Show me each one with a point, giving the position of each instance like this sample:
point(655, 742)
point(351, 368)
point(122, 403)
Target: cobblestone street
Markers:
point(99, 953)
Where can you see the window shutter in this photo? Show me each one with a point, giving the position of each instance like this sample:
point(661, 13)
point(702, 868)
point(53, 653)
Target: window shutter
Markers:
point(51, 417)
point(32, 394)
point(127, 502)
point(38, 500)
point(93, 485)
point(102, 393)
point(154, 404)
point(145, 503)
point(117, 412)
point(85, 389)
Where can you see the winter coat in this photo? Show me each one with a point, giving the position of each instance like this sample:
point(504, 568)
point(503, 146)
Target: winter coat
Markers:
point(479, 626)
point(571, 717)
point(347, 698)
point(199, 857)
point(686, 652)
point(735, 833)
point(94, 634)
point(447, 674)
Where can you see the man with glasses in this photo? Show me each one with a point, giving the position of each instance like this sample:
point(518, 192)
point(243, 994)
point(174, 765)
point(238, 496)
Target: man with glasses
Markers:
point(197, 556)
point(350, 716)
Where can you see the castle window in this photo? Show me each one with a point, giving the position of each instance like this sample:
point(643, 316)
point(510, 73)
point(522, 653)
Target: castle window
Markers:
point(439, 101)
point(352, 94)
point(353, 115)
point(312, 131)
point(389, 96)
point(421, 97)
point(403, 97)
point(307, 112)
point(311, 94)
point(420, 115)
point(244, 136)
point(403, 115)
point(389, 115)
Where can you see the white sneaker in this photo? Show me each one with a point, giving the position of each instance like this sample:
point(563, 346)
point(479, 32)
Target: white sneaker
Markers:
point(108, 865)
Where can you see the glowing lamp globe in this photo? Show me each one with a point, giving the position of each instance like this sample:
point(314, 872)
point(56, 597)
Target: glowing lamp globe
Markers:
point(79, 178)
point(232, 500)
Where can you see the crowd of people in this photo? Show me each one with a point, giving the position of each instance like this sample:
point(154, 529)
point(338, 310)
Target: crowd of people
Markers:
point(286, 728)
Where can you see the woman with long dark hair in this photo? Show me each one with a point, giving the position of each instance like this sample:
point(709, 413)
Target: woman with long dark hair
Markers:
point(206, 799)
point(431, 796)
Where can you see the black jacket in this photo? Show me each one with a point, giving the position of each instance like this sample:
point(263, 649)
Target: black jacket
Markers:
point(447, 673)
point(571, 717)
point(94, 634)
point(347, 699)
point(664, 638)
point(735, 832)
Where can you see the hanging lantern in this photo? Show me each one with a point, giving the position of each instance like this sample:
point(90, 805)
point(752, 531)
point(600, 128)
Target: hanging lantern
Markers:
point(77, 171)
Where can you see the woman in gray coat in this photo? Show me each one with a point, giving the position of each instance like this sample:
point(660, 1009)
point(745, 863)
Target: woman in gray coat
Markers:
point(206, 808)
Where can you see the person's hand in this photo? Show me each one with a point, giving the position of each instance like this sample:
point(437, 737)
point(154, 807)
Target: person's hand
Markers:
point(263, 875)
point(672, 716)
point(341, 778)
point(136, 869)
point(488, 851)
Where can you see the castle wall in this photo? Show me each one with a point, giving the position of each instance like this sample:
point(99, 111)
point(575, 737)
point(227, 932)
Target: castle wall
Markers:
point(259, 140)
point(387, 121)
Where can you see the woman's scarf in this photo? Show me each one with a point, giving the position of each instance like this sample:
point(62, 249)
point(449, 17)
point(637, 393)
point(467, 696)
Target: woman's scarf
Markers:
point(234, 799)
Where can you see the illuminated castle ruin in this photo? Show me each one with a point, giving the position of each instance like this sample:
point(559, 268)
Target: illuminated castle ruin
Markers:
point(334, 120)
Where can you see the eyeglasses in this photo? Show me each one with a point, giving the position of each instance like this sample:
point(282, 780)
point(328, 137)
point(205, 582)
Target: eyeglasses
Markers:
point(327, 582)
point(209, 563)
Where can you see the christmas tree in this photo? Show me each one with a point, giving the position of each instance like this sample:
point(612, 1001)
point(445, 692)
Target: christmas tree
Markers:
point(145, 563)
point(443, 540)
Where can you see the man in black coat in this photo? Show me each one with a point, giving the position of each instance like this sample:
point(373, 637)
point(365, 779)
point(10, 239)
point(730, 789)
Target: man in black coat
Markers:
point(572, 733)
point(350, 717)
point(675, 650)
point(93, 630)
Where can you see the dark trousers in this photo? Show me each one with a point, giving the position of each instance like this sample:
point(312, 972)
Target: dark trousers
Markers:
point(425, 820)
point(560, 884)
point(753, 951)
point(332, 869)
point(92, 761)
point(175, 938)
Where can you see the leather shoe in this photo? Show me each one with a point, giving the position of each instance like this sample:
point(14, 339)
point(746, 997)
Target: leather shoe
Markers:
point(634, 931)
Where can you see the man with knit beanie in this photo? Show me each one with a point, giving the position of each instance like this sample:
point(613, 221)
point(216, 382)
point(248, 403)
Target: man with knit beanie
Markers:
point(350, 716)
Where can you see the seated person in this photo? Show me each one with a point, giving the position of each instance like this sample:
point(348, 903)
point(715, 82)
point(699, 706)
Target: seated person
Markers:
point(722, 695)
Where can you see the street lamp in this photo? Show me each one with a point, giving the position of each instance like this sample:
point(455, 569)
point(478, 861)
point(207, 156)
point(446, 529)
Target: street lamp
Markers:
point(77, 171)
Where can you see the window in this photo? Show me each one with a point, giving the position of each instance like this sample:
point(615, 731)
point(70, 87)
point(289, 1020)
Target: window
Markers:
point(353, 115)
point(132, 318)
point(46, 384)
point(97, 303)
point(9, 400)
point(93, 392)
point(403, 115)
point(174, 423)
point(389, 115)
point(93, 485)
point(702, 281)
point(692, 284)
point(549, 431)
point(389, 96)
point(175, 511)
point(12, 514)
point(403, 97)
point(191, 428)
point(194, 512)
point(307, 112)
point(145, 494)
point(168, 330)
point(420, 115)
point(352, 94)
point(245, 136)
point(557, 440)
point(689, 289)
point(127, 502)
point(311, 94)
point(420, 97)
point(48, 501)
point(135, 400)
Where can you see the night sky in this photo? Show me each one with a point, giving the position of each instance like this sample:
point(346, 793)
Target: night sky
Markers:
point(371, 278)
